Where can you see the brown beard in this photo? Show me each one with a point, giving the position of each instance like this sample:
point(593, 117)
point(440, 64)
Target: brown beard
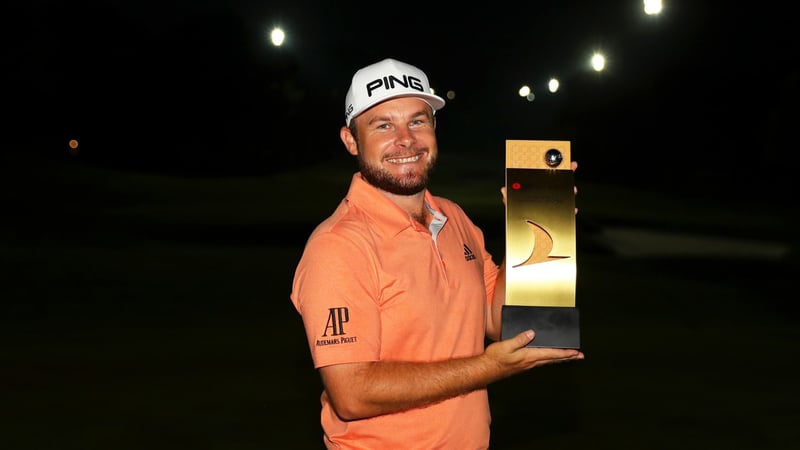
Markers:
point(411, 184)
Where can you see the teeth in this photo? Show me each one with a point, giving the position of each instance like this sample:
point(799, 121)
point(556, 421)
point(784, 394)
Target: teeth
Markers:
point(404, 160)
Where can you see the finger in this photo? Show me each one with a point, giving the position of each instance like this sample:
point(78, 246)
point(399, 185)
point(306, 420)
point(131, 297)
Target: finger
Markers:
point(524, 338)
point(560, 354)
point(575, 357)
point(575, 188)
point(574, 165)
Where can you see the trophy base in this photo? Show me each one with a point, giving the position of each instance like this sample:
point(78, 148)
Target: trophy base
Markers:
point(555, 326)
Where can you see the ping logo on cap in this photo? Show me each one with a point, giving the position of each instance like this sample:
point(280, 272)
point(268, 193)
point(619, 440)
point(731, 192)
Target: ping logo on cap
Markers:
point(391, 82)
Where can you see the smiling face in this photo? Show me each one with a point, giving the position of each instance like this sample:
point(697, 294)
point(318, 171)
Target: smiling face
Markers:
point(396, 145)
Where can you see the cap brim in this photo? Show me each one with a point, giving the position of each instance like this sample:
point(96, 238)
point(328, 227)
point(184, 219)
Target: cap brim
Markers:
point(434, 101)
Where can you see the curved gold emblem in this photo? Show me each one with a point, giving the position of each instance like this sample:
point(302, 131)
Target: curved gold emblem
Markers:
point(542, 246)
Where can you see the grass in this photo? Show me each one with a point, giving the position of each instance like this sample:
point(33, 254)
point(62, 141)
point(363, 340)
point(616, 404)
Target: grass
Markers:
point(144, 311)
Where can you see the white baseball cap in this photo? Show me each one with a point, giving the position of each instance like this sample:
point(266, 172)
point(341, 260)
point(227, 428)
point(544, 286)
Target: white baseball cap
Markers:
point(384, 80)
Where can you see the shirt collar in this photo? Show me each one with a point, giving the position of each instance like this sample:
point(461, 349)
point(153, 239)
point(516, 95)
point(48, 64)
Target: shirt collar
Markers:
point(389, 218)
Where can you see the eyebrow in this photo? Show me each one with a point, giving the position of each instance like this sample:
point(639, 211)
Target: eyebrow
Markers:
point(386, 118)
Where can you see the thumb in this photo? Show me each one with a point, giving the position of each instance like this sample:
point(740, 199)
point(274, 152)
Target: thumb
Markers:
point(524, 338)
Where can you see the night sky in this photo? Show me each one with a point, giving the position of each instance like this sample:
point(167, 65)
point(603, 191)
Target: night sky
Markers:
point(195, 86)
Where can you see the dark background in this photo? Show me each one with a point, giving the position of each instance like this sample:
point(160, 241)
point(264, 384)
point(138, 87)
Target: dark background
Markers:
point(146, 274)
point(705, 89)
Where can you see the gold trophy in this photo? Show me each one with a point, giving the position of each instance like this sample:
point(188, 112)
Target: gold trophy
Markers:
point(541, 265)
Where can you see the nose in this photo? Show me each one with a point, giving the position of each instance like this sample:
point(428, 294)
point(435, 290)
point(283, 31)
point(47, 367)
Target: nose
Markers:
point(405, 137)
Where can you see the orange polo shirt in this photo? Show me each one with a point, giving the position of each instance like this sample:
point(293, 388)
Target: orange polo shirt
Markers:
point(373, 284)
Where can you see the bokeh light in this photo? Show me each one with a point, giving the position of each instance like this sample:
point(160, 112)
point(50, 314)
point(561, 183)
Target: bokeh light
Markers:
point(73, 147)
point(277, 37)
point(553, 85)
point(598, 62)
point(653, 7)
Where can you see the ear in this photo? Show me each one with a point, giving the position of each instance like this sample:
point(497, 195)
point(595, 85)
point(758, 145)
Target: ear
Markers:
point(348, 140)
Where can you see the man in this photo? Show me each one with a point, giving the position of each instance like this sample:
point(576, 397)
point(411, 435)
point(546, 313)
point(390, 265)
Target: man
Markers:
point(396, 290)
